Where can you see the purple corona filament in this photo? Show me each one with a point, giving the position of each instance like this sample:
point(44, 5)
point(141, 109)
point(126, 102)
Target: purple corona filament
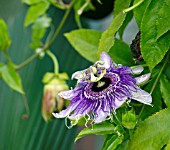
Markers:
point(103, 88)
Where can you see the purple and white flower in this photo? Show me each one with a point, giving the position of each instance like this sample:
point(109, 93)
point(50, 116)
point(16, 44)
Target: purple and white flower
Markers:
point(103, 88)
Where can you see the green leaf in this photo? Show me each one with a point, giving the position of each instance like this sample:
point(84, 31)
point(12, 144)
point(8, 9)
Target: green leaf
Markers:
point(167, 146)
point(31, 2)
point(167, 72)
point(98, 129)
point(79, 9)
point(156, 101)
point(153, 133)
point(125, 23)
point(38, 30)
point(5, 40)
point(77, 6)
point(1, 67)
point(150, 46)
point(108, 36)
point(139, 11)
point(165, 87)
point(12, 78)
point(120, 53)
point(36, 11)
point(54, 2)
point(112, 141)
point(85, 42)
point(163, 21)
point(119, 6)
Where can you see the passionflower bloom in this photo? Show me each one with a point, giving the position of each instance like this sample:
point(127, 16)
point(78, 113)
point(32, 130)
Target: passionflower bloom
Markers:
point(103, 88)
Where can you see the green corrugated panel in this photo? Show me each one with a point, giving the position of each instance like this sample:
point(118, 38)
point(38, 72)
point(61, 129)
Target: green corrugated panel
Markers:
point(34, 133)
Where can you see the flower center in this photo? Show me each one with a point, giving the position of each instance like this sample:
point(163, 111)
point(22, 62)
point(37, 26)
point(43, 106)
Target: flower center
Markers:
point(100, 89)
point(101, 85)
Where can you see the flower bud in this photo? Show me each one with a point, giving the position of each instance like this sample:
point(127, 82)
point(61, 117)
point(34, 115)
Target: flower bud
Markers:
point(52, 102)
point(129, 119)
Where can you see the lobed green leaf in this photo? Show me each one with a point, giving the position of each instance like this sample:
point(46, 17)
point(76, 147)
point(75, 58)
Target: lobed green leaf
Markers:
point(108, 36)
point(5, 40)
point(153, 133)
point(163, 21)
point(85, 42)
point(165, 87)
point(112, 141)
point(121, 54)
point(12, 78)
point(150, 46)
point(140, 10)
point(98, 129)
point(36, 11)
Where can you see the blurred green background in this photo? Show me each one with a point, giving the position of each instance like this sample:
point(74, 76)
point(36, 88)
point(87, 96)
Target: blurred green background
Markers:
point(33, 133)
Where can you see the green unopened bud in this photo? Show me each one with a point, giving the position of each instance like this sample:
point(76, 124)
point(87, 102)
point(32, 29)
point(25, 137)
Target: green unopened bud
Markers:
point(52, 102)
point(129, 119)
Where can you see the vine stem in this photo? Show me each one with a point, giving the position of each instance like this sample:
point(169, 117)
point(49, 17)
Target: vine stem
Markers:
point(52, 56)
point(134, 6)
point(46, 47)
point(27, 61)
point(80, 11)
point(156, 81)
point(130, 133)
point(7, 56)
point(119, 122)
point(25, 116)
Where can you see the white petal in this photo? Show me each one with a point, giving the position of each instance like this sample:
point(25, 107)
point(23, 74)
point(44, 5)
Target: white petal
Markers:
point(106, 59)
point(137, 70)
point(142, 96)
point(67, 94)
point(142, 79)
point(66, 112)
point(78, 75)
point(101, 116)
point(79, 114)
point(119, 103)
